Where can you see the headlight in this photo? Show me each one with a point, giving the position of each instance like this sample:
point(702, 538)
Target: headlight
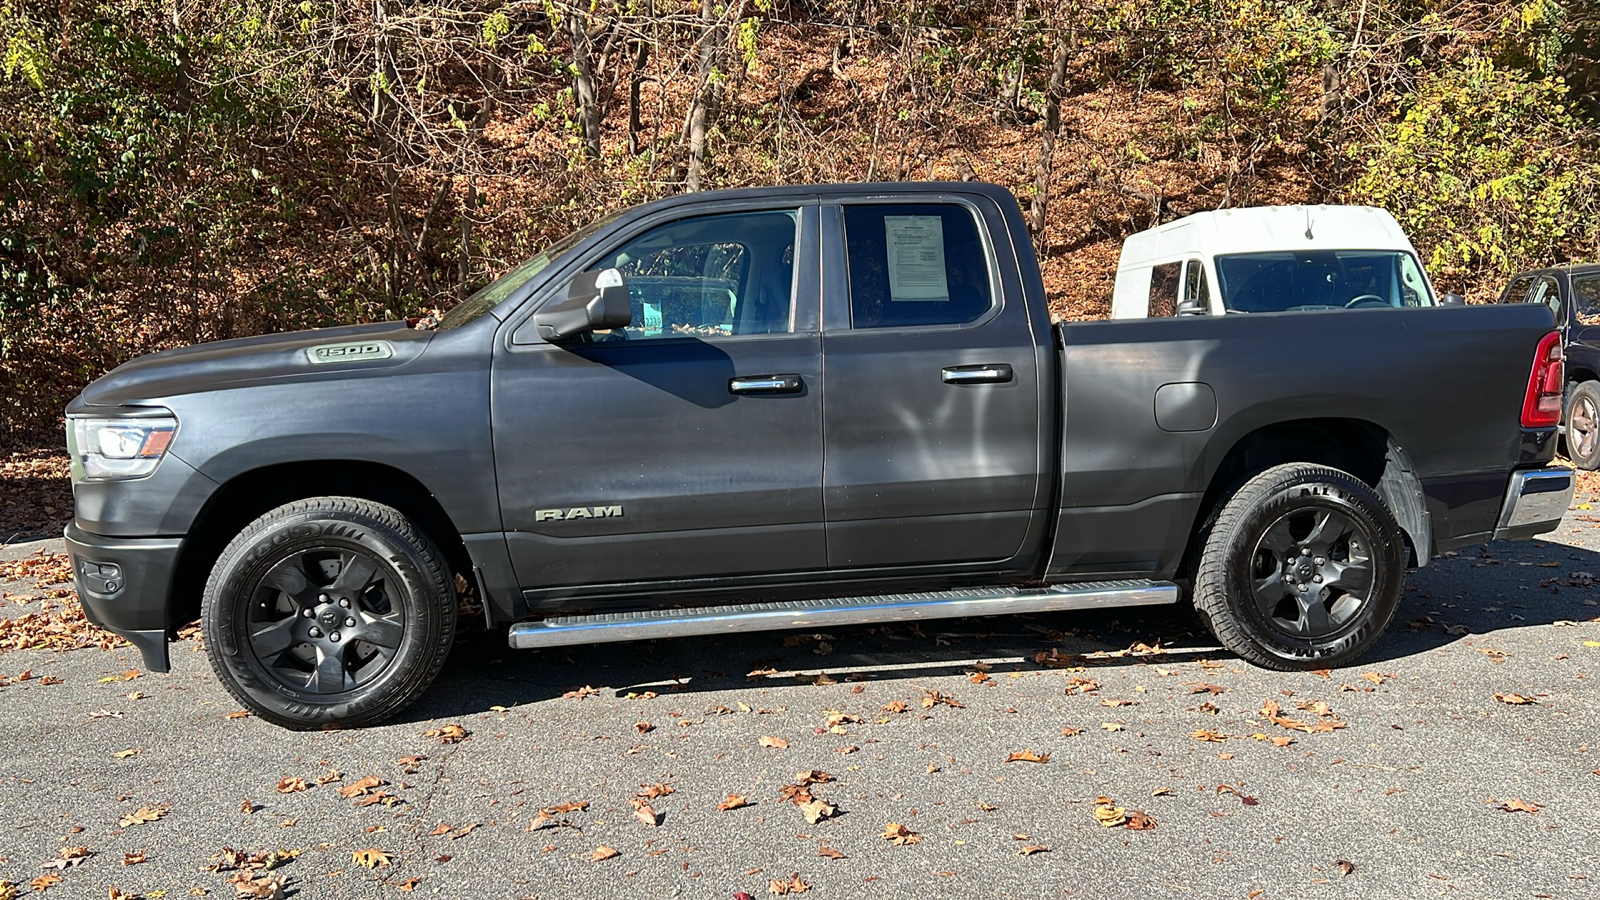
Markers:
point(130, 446)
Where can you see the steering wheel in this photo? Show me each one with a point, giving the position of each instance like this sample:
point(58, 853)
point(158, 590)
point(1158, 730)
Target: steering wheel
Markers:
point(1370, 299)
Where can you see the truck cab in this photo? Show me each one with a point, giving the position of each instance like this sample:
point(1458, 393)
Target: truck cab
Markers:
point(1270, 259)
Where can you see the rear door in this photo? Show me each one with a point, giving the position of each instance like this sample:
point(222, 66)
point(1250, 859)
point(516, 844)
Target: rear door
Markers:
point(932, 433)
point(689, 444)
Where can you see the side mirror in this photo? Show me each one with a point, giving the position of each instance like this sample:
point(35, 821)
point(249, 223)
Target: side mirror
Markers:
point(1191, 307)
point(595, 300)
point(1452, 300)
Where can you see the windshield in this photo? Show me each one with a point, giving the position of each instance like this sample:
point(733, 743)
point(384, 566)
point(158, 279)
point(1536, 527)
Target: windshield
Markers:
point(1321, 279)
point(497, 291)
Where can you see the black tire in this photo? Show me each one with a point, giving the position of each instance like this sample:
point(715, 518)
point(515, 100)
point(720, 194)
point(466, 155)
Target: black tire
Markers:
point(1306, 541)
point(329, 612)
point(1583, 426)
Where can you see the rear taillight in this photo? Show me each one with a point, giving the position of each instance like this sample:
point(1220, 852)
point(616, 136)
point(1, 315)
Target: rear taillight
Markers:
point(1541, 408)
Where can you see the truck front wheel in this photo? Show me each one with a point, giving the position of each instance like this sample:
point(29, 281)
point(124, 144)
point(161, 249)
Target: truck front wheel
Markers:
point(1302, 568)
point(333, 611)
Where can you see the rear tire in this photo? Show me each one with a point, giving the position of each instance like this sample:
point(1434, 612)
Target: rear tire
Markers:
point(1583, 426)
point(329, 612)
point(1302, 568)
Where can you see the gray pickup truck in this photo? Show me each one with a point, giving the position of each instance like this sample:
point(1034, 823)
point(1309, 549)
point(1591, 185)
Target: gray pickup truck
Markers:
point(790, 408)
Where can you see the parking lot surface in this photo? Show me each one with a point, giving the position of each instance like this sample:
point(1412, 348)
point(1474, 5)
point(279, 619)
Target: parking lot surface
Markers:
point(1461, 759)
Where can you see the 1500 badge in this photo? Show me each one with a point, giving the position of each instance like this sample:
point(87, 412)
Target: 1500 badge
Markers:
point(352, 352)
point(578, 512)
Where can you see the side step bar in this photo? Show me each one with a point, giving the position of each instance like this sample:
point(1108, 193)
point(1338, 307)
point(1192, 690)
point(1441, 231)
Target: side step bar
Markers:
point(781, 615)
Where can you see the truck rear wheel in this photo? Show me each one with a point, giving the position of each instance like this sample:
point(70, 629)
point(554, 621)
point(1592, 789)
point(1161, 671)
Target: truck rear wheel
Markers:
point(333, 611)
point(1583, 426)
point(1302, 568)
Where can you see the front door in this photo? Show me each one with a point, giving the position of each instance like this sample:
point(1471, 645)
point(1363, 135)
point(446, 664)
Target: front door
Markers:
point(932, 428)
point(688, 444)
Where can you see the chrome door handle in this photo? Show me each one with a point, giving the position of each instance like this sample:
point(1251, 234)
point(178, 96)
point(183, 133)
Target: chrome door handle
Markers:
point(988, 373)
point(766, 384)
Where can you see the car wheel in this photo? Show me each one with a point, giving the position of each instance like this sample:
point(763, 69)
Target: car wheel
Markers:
point(1301, 568)
point(1583, 426)
point(332, 611)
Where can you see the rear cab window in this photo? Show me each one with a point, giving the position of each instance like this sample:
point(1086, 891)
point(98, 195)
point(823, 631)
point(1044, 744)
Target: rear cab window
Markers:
point(915, 265)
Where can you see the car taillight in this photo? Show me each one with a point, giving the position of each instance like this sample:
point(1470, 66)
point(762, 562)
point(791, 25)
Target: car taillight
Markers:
point(1541, 408)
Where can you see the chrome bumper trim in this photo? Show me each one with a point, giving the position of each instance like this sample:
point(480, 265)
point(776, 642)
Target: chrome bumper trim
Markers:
point(1535, 501)
point(777, 616)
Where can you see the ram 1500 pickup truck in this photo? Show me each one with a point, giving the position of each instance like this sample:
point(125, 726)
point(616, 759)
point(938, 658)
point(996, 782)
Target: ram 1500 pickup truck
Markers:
point(784, 408)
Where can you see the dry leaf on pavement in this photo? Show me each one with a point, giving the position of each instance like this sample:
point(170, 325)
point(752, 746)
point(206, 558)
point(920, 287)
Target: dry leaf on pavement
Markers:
point(604, 852)
point(816, 810)
point(782, 887)
point(644, 812)
point(734, 801)
point(1520, 805)
point(1028, 756)
point(895, 833)
point(1515, 699)
point(448, 734)
point(768, 740)
point(143, 815)
point(291, 785)
point(372, 858)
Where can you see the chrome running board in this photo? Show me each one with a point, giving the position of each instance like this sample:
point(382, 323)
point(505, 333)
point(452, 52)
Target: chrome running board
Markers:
point(780, 615)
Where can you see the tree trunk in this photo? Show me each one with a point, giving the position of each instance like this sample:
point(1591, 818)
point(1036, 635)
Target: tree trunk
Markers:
point(699, 113)
point(1047, 142)
point(587, 101)
point(635, 125)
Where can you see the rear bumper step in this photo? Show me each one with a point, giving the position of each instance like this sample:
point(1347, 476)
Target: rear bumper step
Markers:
point(778, 616)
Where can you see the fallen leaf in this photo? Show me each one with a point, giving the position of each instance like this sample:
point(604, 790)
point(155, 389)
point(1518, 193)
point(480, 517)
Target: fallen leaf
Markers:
point(1207, 734)
point(579, 694)
point(409, 885)
point(830, 852)
point(143, 815)
point(1079, 685)
point(448, 734)
point(652, 791)
point(1112, 726)
point(1322, 673)
point(1108, 814)
point(1112, 702)
point(783, 887)
point(238, 714)
point(604, 852)
point(644, 812)
point(815, 810)
point(1138, 821)
point(895, 833)
point(1069, 731)
point(1028, 756)
point(45, 882)
point(643, 727)
point(291, 785)
point(1345, 866)
point(1520, 805)
point(734, 801)
point(124, 754)
point(362, 787)
point(247, 807)
point(768, 740)
point(1031, 849)
point(930, 699)
point(1515, 699)
point(134, 858)
point(372, 858)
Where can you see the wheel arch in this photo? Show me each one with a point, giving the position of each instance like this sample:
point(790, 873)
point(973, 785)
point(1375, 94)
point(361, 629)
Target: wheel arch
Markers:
point(1362, 448)
point(246, 496)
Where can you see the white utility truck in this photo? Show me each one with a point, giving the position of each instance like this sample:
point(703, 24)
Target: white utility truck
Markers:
point(1271, 259)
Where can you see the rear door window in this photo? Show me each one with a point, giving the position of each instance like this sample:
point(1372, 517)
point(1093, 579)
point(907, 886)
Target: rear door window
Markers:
point(1586, 294)
point(915, 265)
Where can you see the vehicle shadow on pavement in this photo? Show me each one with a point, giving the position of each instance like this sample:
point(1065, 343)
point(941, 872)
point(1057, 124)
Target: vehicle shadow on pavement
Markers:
point(1461, 597)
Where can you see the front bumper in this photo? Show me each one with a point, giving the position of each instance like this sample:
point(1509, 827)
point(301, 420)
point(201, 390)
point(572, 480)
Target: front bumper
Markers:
point(123, 584)
point(1535, 502)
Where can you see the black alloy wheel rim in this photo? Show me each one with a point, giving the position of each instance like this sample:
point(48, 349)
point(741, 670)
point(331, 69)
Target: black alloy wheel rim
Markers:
point(326, 620)
point(1312, 573)
point(1584, 426)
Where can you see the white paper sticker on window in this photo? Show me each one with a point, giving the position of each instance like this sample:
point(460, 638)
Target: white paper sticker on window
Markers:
point(652, 318)
point(916, 258)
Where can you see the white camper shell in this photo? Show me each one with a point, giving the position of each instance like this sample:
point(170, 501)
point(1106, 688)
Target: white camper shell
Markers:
point(1270, 259)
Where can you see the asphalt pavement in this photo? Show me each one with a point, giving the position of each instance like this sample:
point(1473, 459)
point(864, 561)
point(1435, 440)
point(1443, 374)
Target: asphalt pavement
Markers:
point(1403, 776)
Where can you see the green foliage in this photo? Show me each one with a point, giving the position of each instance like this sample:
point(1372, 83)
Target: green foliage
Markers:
point(1480, 167)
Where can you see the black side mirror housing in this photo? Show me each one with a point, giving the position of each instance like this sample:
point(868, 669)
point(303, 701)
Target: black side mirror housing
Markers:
point(595, 300)
point(1452, 300)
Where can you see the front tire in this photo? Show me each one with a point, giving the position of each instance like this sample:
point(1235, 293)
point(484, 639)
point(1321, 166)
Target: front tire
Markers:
point(329, 612)
point(1583, 426)
point(1302, 568)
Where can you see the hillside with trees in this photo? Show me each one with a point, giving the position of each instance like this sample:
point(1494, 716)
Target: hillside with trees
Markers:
point(174, 172)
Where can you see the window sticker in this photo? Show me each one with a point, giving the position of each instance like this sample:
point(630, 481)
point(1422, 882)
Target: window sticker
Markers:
point(652, 317)
point(916, 258)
